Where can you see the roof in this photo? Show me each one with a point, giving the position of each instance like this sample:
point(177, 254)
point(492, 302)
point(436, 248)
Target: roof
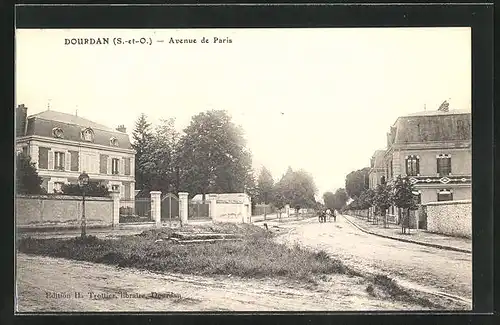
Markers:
point(432, 126)
point(223, 198)
point(43, 123)
point(378, 159)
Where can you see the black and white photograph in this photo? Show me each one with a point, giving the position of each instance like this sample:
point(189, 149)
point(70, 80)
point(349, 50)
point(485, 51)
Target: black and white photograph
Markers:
point(243, 170)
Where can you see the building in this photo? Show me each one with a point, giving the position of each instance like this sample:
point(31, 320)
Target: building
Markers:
point(434, 149)
point(63, 145)
point(377, 169)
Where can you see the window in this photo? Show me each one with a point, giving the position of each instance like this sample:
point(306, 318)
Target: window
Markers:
point(88, 135)
point(417, 197)
point(115, 188)
point(58, 187)
point(113, 142)
point(412, 165)
point(74, 165)
point(443, 165)
point(382, 180)
point(114, 166)
point(57, 132)
point(445, 195)
point(59, 160)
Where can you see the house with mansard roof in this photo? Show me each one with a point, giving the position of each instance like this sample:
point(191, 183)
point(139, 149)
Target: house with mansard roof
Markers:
point(434, 149)
point(63, 145)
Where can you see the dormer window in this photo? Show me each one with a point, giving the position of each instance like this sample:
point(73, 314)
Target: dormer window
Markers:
point(57, 132)
point(88, 135)
point(113, 142)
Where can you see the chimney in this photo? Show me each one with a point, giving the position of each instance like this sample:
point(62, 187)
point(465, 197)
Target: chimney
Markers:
point(21, 120)
point(121, 128)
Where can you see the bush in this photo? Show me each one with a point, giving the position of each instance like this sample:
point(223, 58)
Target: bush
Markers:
point(91, 189)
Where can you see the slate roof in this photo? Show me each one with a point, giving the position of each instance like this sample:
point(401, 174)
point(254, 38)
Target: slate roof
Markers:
point(433, 126)
point(43, 123)
point(378, 158)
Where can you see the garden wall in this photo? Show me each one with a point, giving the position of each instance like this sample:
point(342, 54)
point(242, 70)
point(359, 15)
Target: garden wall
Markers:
point(450, 218)
point(46, 211)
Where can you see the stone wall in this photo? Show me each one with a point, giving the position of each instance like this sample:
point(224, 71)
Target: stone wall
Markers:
point(450, 218)
point(40, 211)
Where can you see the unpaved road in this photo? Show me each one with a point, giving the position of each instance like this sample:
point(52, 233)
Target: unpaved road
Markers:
point(40, 279)
point(412, 265)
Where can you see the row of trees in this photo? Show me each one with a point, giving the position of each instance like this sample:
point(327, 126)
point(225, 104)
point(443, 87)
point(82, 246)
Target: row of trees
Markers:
point(337, 200)
point(210, 156)
point(398, 193)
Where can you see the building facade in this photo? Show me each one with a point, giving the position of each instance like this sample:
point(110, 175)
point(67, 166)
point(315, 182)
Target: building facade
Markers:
point(377, 169)
point(63, 145)
point(434, 149)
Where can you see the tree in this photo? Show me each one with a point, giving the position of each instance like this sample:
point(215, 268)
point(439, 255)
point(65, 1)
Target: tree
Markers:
point(341, 198)
point(382, 200)
point(142, 136)
point(27, 179)
point(356, 182)
point(159, 158)
point(329, 199)
point(296, 188)
point(91, 189)
point(403, 198)
point(213, 156)
point(265, 185)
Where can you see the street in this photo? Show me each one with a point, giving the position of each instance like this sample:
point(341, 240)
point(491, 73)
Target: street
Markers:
point(423, 268)
point(108, 288)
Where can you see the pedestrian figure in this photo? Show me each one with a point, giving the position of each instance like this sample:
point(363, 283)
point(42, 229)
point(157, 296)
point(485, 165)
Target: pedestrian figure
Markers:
point(334, 216)
point(329, 214)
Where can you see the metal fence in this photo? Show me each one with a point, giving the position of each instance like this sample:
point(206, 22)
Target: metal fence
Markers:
point(138, 210)
point(199, 211)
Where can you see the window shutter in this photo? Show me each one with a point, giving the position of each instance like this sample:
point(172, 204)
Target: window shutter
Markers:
point(417, 165)
point(103, 165)
point(43, 158)
point(437, 166)
point(74, 161)
point(51, 159)
point(127, 166)
point(407, 162)
point(67, 161)
point(449, 164)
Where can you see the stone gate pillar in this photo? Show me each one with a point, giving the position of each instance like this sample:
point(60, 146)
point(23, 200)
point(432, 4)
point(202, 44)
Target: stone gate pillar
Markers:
point(287, 210)
point(156, 207)
point(183, 207)
point(116, 208)
point(213, 206)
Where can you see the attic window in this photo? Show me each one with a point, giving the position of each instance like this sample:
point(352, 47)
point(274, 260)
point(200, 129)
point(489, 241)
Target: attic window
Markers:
point(57, 132)
point(113, 142)
point(88, 135)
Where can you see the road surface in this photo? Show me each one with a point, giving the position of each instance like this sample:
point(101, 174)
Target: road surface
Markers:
point(419, 267)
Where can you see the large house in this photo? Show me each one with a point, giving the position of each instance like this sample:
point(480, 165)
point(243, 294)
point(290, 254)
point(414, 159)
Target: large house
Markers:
point(63, 145)
point(377, 169)
point(434, 149)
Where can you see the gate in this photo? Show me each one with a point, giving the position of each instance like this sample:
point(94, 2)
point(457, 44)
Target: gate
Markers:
point(169, 207)
point(138, 210)
point(198, 211)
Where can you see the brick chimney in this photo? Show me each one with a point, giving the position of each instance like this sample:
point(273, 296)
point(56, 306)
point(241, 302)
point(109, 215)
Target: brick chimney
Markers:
point(121, 128)
point(21, 120)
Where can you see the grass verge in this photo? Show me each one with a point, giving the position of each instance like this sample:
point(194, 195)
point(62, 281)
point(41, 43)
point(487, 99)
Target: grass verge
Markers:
point(257, 255)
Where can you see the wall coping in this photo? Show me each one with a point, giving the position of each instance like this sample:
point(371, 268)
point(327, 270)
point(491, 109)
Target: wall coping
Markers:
point(61, 197)
point(455, 202)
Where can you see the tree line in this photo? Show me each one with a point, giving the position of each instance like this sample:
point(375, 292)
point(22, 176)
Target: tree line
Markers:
point(399, 192)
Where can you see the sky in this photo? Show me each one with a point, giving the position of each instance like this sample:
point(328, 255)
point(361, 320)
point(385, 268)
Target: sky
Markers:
point(321, 100)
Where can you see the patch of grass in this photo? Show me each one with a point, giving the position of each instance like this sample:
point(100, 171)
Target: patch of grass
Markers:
point(395, 291)
point(257, 255)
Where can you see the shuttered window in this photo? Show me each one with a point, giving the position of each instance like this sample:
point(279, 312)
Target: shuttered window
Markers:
point(74, 161)
point(443, 165)
point(103, 169)
point(43, 158)
point(127, 166)
point(412, 165)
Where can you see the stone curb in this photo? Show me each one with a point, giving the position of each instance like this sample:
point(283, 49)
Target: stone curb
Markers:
point(408, 240)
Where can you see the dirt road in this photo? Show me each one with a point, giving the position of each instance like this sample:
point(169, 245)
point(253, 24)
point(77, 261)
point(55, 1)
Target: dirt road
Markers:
point(415, 266)
point(49, 285)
